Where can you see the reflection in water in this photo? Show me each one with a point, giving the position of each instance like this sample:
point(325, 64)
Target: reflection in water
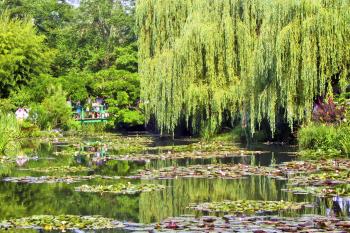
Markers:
point(20, 200)
point(181, 192)
point(92, 155)
point(337, 206)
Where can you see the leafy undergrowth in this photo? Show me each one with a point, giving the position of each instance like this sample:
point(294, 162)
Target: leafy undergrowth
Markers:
point(320, 141)
point(248, 206)
point(120, 188)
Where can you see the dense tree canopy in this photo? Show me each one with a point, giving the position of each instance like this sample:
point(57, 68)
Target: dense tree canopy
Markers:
point(95, 55)
point(23, 54)
point(211, 61)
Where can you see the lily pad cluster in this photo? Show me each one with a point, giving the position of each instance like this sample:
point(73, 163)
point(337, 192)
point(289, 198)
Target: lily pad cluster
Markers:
point(62, 222)
point(7, 159)
point(337, 191)
point(254, 224)
point(56, 179)
point(180, 155)
point(63, 169)
point(312, 166)
point(120, 188)
point(248, 206)
point(224, 171)
point(321, 179)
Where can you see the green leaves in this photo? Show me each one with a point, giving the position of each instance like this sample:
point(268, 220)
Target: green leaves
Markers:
point(248, 207)
point(56, 179)
point(62, 222)
point(23, 54)
point(63, 169)
point(208, 62)
point(120, 188)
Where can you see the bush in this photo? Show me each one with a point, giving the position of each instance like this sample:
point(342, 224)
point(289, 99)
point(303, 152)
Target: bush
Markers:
point(9, 132)
point(52, 112)
point(328, 112)
point(331, 140)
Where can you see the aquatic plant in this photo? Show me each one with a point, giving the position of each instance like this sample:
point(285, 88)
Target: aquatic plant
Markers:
point(248, 206)
point(183, 224)
point(62, 169)
point(321, 179)
point(61, 222)
point(120, 188)
point(336, 191)
point(56, 179)
point(211, 171)
point(208, 62)
point(256, 224)
point(314, 166)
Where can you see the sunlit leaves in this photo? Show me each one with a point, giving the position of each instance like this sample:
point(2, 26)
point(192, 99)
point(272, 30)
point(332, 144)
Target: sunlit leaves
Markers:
point(210, 61)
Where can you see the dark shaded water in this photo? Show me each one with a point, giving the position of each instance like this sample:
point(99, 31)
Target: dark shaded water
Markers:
point(21, 200)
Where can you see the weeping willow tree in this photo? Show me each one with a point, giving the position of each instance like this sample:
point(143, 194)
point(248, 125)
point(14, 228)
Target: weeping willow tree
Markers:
point(206, 61)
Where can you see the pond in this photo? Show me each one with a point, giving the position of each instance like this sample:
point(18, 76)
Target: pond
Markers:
point(94, 159)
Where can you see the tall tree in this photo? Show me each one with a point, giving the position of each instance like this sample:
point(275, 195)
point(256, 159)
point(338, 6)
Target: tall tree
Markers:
point(206, 61)
point(23, 54)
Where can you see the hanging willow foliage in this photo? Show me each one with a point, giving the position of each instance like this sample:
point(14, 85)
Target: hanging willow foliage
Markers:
point(202, 60)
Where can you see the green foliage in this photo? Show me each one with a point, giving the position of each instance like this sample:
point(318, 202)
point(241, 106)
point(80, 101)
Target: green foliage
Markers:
point(77, 84)
point(23, 54)
point(321, 141)
point(95, 55)
point(52, 112)
point(6, 105)
point(209, 61)
point(9, 131)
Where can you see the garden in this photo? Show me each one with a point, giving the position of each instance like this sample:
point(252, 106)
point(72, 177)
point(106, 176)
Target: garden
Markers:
point(174, 116)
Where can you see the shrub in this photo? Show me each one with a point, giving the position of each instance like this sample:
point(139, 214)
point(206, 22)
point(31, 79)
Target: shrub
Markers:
point(324, 139)
point(52, 112)
point(328, 112)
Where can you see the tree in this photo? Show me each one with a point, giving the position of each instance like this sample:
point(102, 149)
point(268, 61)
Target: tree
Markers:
point(98, 27)
point(23, 54)
point(207, 62)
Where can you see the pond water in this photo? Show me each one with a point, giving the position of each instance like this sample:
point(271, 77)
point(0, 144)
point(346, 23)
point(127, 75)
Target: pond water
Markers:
point(26, 199)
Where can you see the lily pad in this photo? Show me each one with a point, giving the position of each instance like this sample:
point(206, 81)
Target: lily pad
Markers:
point(312, 166)
point(224, 171)
point(63, 169)
point(321, 179)
point(7, 159)
point(62, 222)
point(56, 179)
point(337, 191)
point(120, 188)
point(248, 206)
point(254, 224)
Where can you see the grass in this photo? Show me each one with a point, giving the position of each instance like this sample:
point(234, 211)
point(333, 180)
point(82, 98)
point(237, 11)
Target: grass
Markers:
point(9, 132)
